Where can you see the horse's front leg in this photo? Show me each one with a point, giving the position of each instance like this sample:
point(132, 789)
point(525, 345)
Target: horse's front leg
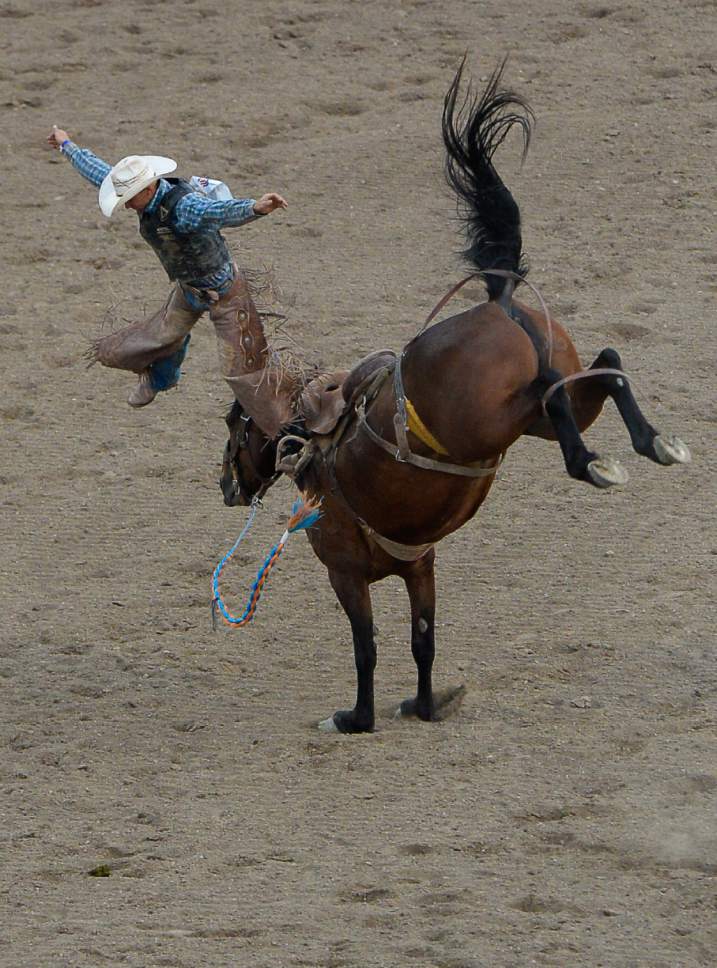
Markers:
point(421, 586)
point(588, 397)
point(353, 594)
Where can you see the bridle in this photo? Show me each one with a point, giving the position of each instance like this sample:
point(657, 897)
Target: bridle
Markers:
point(238, 441)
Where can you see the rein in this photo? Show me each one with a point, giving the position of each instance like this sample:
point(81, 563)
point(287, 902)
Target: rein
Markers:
point(304, 514)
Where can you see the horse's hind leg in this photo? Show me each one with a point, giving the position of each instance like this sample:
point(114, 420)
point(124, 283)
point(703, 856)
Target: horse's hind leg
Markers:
point(580, 463)
point(589, 394)
point(421, 587)
point(353, 594)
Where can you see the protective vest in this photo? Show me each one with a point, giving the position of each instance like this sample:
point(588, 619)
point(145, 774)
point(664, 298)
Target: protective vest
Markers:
point(187, 258)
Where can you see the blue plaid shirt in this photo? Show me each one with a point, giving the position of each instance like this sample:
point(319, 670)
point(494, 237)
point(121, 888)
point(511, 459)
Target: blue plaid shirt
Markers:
point(191, 212)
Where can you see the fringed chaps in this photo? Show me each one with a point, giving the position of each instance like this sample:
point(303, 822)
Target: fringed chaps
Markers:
point(257, 379)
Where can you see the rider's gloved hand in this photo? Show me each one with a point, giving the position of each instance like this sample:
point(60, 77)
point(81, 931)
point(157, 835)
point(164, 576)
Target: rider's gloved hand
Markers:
point(57, 137)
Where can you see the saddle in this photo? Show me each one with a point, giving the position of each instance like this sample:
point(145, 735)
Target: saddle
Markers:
point(328, 396)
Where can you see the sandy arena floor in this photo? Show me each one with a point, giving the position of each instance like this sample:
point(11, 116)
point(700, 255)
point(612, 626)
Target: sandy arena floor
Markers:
point(564, 815)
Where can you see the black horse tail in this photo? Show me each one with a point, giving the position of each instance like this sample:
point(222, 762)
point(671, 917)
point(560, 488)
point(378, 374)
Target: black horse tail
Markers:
point(490, 213)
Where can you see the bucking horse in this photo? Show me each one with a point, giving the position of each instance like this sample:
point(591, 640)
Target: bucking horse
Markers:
point(403, 449)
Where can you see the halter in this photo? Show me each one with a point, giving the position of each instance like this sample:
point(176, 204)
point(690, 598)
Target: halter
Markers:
point(242, 443)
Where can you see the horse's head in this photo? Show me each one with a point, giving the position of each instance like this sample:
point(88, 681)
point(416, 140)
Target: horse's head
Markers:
point(248, 469)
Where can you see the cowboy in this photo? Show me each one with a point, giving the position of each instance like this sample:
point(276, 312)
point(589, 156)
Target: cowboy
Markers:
point(183, 227)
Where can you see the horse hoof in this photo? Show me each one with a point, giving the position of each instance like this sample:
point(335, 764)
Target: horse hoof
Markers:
point(328, 726)
point(671, 450)
point(606, 472)
point(443, 703)
point(407, 710)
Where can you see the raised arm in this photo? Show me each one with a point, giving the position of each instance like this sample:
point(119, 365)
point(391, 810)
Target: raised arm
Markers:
point(196, 211)
point(91, 167)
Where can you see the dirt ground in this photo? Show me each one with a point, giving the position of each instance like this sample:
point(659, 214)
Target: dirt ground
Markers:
point(564, 815)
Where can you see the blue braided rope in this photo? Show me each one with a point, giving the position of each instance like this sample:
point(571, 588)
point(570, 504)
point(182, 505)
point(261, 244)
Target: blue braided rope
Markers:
point(303, 517)
point(217, 599)
point(255, 593)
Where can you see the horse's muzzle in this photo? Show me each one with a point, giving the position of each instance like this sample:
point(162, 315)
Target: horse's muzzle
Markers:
point(233, 496)
point(230, 486)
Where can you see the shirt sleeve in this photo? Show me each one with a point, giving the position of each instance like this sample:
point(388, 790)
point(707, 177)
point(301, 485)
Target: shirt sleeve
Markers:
point(196, 211)
point(91, 167)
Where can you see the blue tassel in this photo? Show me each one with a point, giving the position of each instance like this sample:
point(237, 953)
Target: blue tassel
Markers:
point(303, 515)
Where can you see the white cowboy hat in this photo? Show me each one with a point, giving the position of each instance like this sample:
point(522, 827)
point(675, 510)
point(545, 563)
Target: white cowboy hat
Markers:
point(129, 177)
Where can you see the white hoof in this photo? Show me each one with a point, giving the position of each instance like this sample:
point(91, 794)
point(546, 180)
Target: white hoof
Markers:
point(328, 725)
point(606, 472)
point(671, 450)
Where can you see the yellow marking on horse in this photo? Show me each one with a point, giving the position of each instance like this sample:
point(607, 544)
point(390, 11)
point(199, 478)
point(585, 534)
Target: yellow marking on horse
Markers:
point(417, 427)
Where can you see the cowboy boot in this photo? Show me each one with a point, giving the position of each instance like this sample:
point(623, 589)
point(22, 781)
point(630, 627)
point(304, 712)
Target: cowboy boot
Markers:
point(143, 393)
point(159, 376)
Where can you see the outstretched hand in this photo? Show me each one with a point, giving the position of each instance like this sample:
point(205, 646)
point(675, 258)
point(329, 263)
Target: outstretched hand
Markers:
point(57, 136)
point(269, 203)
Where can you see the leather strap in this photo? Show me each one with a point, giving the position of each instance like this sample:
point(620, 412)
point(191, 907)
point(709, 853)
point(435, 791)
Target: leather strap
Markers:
point(598, 371)
point(479, 469)
point(403, 552)
point(505, 274)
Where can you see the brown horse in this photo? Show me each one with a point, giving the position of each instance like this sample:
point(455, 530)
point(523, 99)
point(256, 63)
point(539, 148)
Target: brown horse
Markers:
point(415, 455)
